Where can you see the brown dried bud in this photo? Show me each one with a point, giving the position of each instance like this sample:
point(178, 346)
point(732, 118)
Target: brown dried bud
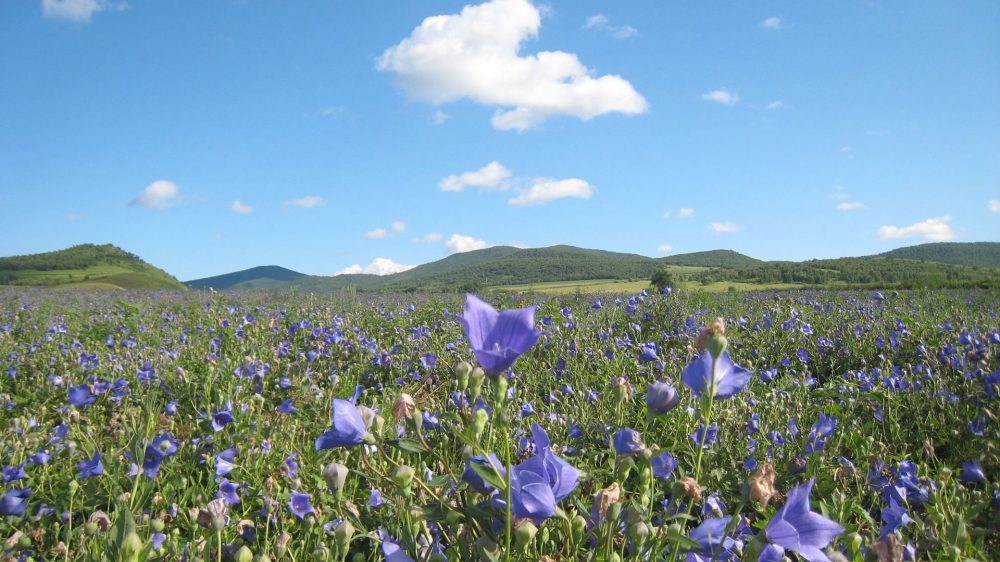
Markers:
point(762, 484)
point(889, 549)
point(100, 519)
point(404, 408)
point(690, 487)
point(717, 328)
point(604, 498)
point(283, 539)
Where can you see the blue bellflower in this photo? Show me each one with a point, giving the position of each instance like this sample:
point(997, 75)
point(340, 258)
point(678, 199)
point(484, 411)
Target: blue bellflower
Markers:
point(299, 505)
point(661, 398)
point(498, 339)
point(794, 527)
point(93, 467)
point(348, 427)
point(729, 377)
point(14, 502)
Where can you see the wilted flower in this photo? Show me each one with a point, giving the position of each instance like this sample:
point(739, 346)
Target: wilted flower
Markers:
point(498, 339)
point(404, 408)
point(762, 484)
point(690, 487)
point(605, 497)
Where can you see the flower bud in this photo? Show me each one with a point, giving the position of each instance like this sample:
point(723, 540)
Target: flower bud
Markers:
point(479, 419)
point(638, 532)
point(73, 487)
point(716, 345)
point(476, 379)
point(130, 547)
point(487, 549)
point(499, 389)
point(335, 475)
point(614, 511)
point(621, 389)
point(156, 525)
point(402, 476)
point(579, 527)
point(466, 451)
point(367, 415)
point(462, 370)
point(90, 528)
point(244, 554)
point(342, 534)
point(661, 398)
point(321, 553)
point(524, 534)
point(24, 542)
point(262, 557)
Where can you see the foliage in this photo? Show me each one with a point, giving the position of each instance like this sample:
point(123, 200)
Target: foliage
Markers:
point(982, 254)
point(271, 272)
point(662, 279)
point(713, 258)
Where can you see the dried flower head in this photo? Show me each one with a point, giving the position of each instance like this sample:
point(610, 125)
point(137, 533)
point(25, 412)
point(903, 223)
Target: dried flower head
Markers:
point(762, 484)
point(604, 498)
point(404, 408)
point(716, 328)
point(690, 487)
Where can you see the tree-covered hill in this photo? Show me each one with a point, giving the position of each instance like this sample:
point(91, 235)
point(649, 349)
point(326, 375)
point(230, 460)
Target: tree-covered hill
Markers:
point(982, 254)
point(253, 275)
point(712, 258)
point(85, 266)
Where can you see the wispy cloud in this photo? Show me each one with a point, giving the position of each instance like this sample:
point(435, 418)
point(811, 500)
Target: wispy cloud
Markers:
point(240, 208)
point(439, 117)
point(995, 205)
point(458, 244)
point(600, 21)
point(725, 97)
point(933, 230)
point(721, 227)
point(685, 212)
point(398, 226)
point(332, 111)
point(664, 248)
point(771, 23)
point(305, 202)
point(379, 266)
point(429, 237)
point(377, 234)
point(778, 104)
point(157, 195)
point(476, 55)
point(547, 189)
point(490, 176)
point(73, 216)
point(78, 11)
point(850, 206)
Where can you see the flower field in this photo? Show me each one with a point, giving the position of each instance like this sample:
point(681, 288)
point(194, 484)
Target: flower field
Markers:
point(686, 426)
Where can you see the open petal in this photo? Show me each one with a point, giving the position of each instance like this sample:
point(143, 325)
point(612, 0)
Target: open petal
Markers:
point(478, 321)
point(514, 329)
point(698, 374)
point(730, 378)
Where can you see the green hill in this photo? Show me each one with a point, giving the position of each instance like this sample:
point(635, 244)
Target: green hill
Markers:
point(982, 254)
point(86, 266)
point(253, 278)
point(711, 258)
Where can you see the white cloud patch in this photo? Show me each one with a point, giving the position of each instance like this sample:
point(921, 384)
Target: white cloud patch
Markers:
point(995, 205)
point(398, 226)
point(685, 212)
point(725, 97)
point(850, 206)
point(429, 237)
point(306, 202)
point(377, 234)
point(490, 176)
point(73, 216)
point(933, 230)
point(475, 55)
point(379, 266)
point(439, 117)
point(776, 104)
point(664, 248)
point(157, 195)
point(458, 244)
point(78, 11)
point(600, 21)
point(546, 189)
point(240, 208)
point(771, 23)
point(721, 227)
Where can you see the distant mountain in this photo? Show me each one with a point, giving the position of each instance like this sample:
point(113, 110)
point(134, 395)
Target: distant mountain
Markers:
point(261, 277)
point(712, 258)
point(85, 266)
point(982, 254)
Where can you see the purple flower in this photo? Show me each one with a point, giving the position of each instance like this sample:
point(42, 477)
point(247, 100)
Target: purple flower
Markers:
point(531, 497)
point(221, 419)
point(287, 408)
point(375, 499)
point(705, 439)
point(474, 480)
point(158, 539)
point(663, 465)
point(299, 504)
point(93, 467)
point(627, 442)
point(152, 460)
point(795, 527)
point(895, 516)
point(391, 549)
point(166, 444)
point(227, 491)
point(661, 398)
point(290, 467)
point(729, 377)
point(498, 339)
point(80, 395)
point(971, 472)
point(348, 427)
point(224, 462)
point(712, 539)
point(14, 473)
point(14, 502)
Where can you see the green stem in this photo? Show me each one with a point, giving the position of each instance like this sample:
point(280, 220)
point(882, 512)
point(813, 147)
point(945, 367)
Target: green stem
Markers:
point(509, 524)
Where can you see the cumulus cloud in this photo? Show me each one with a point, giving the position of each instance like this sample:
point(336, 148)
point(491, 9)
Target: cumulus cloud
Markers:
point(458, 244)
point(933, 230)
point(850, 206)
point(475, 55)
point(379, 266)
point(429, 237)
point(377, 234)
point(771, 23)
point(240, 208)
point(73, 216)
point(157, 195)
point(720, 227)
point(664, 248)
point(546, 189)
point(724, 97)
point(79, 11)
point(398, 226)
point(490, 176)
point(685, 212)
point(995, 205)
point(305, 202)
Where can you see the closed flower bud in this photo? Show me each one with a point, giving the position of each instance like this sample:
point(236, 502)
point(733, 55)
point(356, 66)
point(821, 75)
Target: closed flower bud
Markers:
point(156, 525)
point(73, 487)
point(621, 389)
point(479, 420)
point(499, 389)
point(462, 371)
point(243, 555)
point(524, 534)
point(661, 398)
point(476, 378)
point(614, 512)
point(367, 415)
point(130, 547)
point(262, 557)
point(579, 527)
point(321, 553)
point(335, 475)
point(90, 528)
point(466, 451)
point(342, 534)
point(716, 345)
point(402, 476)
point(638, 532)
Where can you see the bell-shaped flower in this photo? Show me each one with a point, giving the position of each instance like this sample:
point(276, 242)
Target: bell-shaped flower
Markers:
point(348, 427)
point(474, 480)
point(93, 467)
point(661, 398)
point(14, 502)
point(561, 476)
point(80, 395)
point(152, 460)
point(729, 378)
point(299, 505)
point(498, 339)
point(530, 495)
point(794, 527)
point(627, 441)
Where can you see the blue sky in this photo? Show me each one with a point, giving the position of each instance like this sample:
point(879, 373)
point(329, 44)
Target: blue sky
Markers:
point(209, 137)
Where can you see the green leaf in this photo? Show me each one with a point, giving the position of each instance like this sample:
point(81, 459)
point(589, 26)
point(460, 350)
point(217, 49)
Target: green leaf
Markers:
point(440, 481)
point(490, 475)
point(411, 445)
point(681, 540)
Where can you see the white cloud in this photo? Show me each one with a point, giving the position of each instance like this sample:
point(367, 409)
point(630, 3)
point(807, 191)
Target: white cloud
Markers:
point(305, 202)
point(240, 208)
point(839, 196)
point(546, 189)
point(72, 217)
point(332, 111)
point(771, 23)
point(776, 104)
point(685, 212)
point(398, 226)
point(429, 237)
point(720, 227)
point(157, 195)
point(79, 11)
point(724, 97)
point(458, 244)
point(377, 234)
point(490, 176)
point(664, 248)
point(850, 206)
point(934, 230)
point(439, 117)
point(995, 205)
point(475, 55)
point(845, 149)
point(518, 245)
point(624, 31)
point(600, 20)
point(379, 266)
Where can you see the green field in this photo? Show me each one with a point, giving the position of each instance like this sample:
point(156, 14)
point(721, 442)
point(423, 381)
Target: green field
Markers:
point(102, 276)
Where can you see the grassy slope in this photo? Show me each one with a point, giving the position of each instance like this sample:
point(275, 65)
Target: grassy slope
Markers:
point(85, 266)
